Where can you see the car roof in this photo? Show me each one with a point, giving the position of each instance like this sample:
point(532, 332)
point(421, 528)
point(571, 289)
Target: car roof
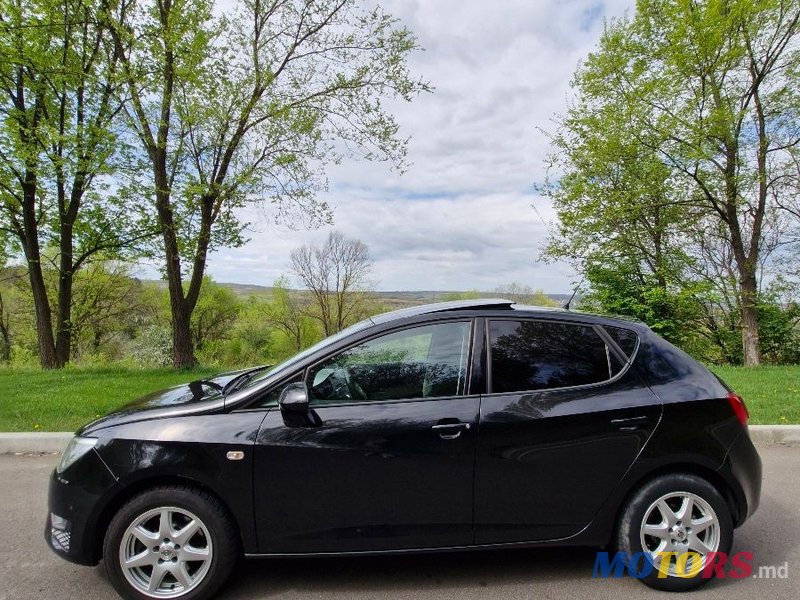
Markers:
point(436, 307)
point(497, 306)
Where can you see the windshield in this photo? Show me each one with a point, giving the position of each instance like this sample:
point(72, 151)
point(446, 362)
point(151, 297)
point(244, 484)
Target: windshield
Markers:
point(308, 352)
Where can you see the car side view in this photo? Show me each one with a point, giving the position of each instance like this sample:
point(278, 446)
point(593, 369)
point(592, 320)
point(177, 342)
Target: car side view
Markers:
point(451, 426)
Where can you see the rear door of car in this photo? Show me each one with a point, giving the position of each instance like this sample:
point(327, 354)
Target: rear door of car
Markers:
point(385, 459)
point(564, 419)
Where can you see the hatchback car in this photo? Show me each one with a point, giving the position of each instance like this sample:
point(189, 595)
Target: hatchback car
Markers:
point(452, 426)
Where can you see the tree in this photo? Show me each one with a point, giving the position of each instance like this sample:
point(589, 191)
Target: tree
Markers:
point(289, 314)
point(337, 275)
point(216, 311)
point(525, 294)
point(57, 144)
point(704, 96)
point(244, 108)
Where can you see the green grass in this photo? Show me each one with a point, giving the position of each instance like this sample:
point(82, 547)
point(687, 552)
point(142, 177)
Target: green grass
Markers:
point(34, 400)
point(772, 394)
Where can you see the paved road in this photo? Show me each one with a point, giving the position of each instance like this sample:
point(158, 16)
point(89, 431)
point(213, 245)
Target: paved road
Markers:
point(28, 570)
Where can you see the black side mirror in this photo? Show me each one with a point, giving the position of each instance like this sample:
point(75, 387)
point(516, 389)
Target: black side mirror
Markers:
point(294, 398)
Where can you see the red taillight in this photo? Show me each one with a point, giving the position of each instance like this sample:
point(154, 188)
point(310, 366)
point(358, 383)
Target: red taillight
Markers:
point(739, 409)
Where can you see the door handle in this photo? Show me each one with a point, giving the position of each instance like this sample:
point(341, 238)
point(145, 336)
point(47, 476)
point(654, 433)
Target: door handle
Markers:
point(629, 423)
point(454, 430)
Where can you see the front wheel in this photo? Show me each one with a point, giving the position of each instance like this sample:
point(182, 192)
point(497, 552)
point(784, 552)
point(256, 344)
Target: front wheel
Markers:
point(675, 522)
point(170, 542)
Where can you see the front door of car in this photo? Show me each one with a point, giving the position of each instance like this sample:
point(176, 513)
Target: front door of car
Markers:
point(384, 458)
point(564, 421)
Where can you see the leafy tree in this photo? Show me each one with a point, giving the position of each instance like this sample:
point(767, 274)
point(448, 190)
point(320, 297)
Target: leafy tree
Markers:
point(525, 294)
point(337, 275)
point(686, 117)
point(216, 311)
point(247, 107)
point(289, 314)
point(57, 145)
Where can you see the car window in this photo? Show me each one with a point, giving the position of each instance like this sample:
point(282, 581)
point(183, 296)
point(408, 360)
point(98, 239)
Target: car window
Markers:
point(625, 339)
point(421, 362)
point(538, 355)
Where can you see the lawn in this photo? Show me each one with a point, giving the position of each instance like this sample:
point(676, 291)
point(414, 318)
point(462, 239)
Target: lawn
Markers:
point(772, 394)
point(34, 400)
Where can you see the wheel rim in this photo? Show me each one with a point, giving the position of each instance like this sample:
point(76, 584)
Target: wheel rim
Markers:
point(683, 524)
point(166, 552)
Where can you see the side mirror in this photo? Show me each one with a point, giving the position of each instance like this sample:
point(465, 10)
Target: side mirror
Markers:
point(294, 398)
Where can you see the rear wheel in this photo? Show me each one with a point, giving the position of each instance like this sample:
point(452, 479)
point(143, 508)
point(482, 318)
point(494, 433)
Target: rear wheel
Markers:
point(170, 542)
point(676, 522)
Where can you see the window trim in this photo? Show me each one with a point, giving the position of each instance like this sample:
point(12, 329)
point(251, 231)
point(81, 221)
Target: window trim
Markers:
point(408, 326)
point(598, 329)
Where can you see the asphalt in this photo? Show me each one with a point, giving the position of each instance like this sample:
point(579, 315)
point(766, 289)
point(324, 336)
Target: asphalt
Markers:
point(28, 570)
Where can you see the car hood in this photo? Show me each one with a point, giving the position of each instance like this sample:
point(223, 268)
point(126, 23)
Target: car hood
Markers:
point(199, 396)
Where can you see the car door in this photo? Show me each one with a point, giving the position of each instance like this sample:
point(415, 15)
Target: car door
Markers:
point(384, 459)
point(564, 420)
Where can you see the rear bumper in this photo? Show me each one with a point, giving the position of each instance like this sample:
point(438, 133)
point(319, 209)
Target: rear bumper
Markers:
point(742, 466)
point(74, 510)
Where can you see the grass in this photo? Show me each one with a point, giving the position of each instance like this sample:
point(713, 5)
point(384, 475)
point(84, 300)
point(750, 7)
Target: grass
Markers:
point(34, 400)
point(772, 394)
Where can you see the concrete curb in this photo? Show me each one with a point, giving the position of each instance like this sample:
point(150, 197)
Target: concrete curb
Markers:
point(34, 442)
point(49, 442)
point(767, 435)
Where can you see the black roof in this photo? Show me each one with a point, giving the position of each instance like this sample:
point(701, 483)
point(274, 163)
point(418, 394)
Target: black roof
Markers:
point(500, 304)
point(415, 311)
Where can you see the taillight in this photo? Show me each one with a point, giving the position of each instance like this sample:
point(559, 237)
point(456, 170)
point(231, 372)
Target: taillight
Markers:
point(739, 409)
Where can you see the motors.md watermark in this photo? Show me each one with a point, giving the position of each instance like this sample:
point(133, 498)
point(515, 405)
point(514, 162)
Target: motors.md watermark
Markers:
point(687, 564)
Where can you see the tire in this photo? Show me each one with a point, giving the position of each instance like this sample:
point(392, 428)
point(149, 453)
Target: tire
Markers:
point(647, 526)
point(190, 558)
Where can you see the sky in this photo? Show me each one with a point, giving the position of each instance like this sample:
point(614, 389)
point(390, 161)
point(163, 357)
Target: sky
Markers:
point(461, 216)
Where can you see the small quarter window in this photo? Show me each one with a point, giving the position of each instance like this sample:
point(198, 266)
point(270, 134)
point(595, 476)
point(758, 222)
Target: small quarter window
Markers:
point(625, 339)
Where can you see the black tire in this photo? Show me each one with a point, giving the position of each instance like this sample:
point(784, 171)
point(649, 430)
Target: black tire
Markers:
point(224, 539)
point(629, 534)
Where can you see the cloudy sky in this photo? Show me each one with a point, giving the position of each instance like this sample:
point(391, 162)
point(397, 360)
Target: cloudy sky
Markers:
point(460, 218)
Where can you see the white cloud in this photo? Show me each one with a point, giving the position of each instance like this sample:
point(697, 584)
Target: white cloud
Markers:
point(460, 218)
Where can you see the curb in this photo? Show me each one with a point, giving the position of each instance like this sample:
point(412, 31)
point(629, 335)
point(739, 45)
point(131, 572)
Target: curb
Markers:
point(768, 435)
point(34, 442)
point(50, 442)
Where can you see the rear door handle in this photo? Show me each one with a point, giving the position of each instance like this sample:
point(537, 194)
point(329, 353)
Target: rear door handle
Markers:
point(629, 423)
point(450, 431)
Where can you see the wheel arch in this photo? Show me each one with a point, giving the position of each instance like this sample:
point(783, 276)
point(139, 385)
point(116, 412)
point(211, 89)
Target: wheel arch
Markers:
point(138, 486)
point(712, 476)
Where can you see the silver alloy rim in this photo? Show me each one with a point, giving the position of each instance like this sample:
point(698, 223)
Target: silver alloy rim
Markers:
point(166, 552)
point(683, 524)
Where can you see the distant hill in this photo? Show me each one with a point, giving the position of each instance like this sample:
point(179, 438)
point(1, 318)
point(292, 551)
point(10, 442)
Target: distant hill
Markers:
point(392, 299)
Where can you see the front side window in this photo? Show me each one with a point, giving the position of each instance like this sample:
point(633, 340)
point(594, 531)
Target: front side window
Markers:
point(421, 362)
point(539, 355)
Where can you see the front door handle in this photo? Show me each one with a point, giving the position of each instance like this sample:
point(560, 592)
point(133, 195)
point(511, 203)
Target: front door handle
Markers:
point(450, 431)
point(629, 423)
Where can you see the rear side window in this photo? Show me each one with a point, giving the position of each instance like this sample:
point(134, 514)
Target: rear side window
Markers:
point(540, 355)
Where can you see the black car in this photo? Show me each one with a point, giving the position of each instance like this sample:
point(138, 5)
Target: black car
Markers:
point(451, 426)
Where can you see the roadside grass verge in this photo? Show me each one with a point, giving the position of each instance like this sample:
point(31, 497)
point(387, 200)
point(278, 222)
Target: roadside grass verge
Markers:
point(772, 394)
point(35, 400)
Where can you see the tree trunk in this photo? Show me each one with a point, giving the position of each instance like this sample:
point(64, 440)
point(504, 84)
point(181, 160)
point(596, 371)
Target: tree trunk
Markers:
point(65, 280)
point(750, 336)
point(41, 303)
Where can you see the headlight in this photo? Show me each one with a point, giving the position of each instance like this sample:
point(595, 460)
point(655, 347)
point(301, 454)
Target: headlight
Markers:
point(77, 447)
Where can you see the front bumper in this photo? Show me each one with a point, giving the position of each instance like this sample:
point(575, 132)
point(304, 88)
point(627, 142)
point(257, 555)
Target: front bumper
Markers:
point(75, 505)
